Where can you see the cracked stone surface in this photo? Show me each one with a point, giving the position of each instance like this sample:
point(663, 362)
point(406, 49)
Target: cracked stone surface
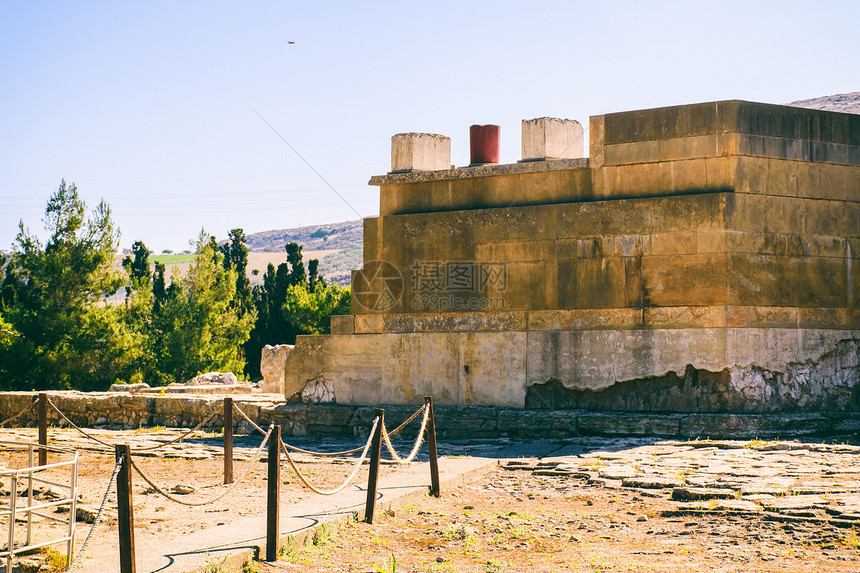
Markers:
point(814, 480)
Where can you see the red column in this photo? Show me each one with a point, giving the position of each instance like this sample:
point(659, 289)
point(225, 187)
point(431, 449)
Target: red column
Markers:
point(484, 144)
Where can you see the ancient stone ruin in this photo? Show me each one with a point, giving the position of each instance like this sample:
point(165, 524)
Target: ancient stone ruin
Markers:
point(701, 259)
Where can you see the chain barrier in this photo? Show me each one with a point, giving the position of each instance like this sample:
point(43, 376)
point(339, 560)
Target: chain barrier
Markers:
point(19, 414)
point(387, 438)
point(146, 449)
point(174, 499)
point(349, 478)
point(76, 562)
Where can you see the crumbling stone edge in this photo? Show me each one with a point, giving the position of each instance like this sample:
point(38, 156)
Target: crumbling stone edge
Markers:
point(121, 410)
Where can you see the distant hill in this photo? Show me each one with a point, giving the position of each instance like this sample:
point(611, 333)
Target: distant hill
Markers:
point(313, 237)
point(845, 103)
point(341, 244)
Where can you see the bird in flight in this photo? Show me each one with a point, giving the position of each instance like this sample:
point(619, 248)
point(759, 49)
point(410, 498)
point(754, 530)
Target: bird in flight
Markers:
point(290, 42)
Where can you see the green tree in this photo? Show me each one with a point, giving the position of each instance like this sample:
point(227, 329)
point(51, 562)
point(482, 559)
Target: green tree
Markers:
point(292, 301)
point(8, 335)
point(159, 287)
point(137, 267)
point(198, 328)
point(52, 296)
point(297, 267)
point(310, 311)
point(235, 254)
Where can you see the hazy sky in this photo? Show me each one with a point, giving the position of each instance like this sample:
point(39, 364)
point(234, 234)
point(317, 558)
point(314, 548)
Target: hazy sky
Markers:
point(153, 105)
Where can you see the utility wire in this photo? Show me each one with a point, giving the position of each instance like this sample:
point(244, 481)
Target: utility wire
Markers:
point(307, 163)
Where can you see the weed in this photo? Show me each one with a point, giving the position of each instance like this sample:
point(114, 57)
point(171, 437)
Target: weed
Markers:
point(148, 429)
point(393, 566)
point(496, 566)
point(287, 552)
point(598, 563)
point(251, 567)
point(379, 541)
point(54, 559)
point(851, 541)
point(214, 567)
point(455, 531)
point(323, 535)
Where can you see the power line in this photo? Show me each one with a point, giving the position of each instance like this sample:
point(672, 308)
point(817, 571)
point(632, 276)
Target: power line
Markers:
point(307, 162)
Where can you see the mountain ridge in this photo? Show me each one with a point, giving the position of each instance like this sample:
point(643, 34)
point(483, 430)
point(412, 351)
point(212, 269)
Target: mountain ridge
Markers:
point(844, 103)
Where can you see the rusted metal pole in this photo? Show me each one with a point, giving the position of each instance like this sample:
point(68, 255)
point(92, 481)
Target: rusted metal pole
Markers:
point(228, 440)
point(125, 510)
point(373, 478)
point(273, 499)
point(431, 449)
point(43, 428)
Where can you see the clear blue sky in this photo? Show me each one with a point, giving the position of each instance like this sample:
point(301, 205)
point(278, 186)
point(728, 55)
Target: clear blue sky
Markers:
point(151, 105)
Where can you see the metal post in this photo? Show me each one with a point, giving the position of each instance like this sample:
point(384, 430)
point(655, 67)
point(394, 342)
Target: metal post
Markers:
point(431, 448)
point(29, 494)
point(228, 440)
point(125, 510)
point(43, 428)
point(373, 478)
point(273, 509)
point(13, 502)
point(73, 514)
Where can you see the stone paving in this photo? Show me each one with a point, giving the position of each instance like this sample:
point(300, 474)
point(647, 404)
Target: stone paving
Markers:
point(791, 479)
point(779, 480)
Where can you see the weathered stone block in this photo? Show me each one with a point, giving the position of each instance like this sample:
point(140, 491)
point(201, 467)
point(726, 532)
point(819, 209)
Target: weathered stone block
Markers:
point(370, 234)
point(367, 324)
point(420, 151)
point(601, 424)
point(740, 426)
point(551, 138)
point(342, 324)
point(273, 361)
point(596, 137)
point(492, 368)
point(418, 365)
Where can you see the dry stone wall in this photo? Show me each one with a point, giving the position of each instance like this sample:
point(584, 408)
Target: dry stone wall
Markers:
point(452, 422)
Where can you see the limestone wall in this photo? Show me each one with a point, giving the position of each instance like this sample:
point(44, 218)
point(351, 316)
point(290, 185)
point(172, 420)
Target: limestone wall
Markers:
point(703, 258)
point(763, 369)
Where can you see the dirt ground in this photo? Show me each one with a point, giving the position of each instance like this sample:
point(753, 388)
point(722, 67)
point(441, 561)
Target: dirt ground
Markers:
point(517, 521)
point(191, 471)
point(601, 505)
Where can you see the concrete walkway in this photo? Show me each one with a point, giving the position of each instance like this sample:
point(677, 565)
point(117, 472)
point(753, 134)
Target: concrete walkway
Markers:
point(229, 546)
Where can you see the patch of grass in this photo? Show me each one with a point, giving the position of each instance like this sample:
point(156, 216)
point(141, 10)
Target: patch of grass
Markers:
point(148, 430)
point(496, 566)
point(214, 566)
point(288, 552)
point(324, 535)
point(171, 259)
point(393, 566)
point(54, 559)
